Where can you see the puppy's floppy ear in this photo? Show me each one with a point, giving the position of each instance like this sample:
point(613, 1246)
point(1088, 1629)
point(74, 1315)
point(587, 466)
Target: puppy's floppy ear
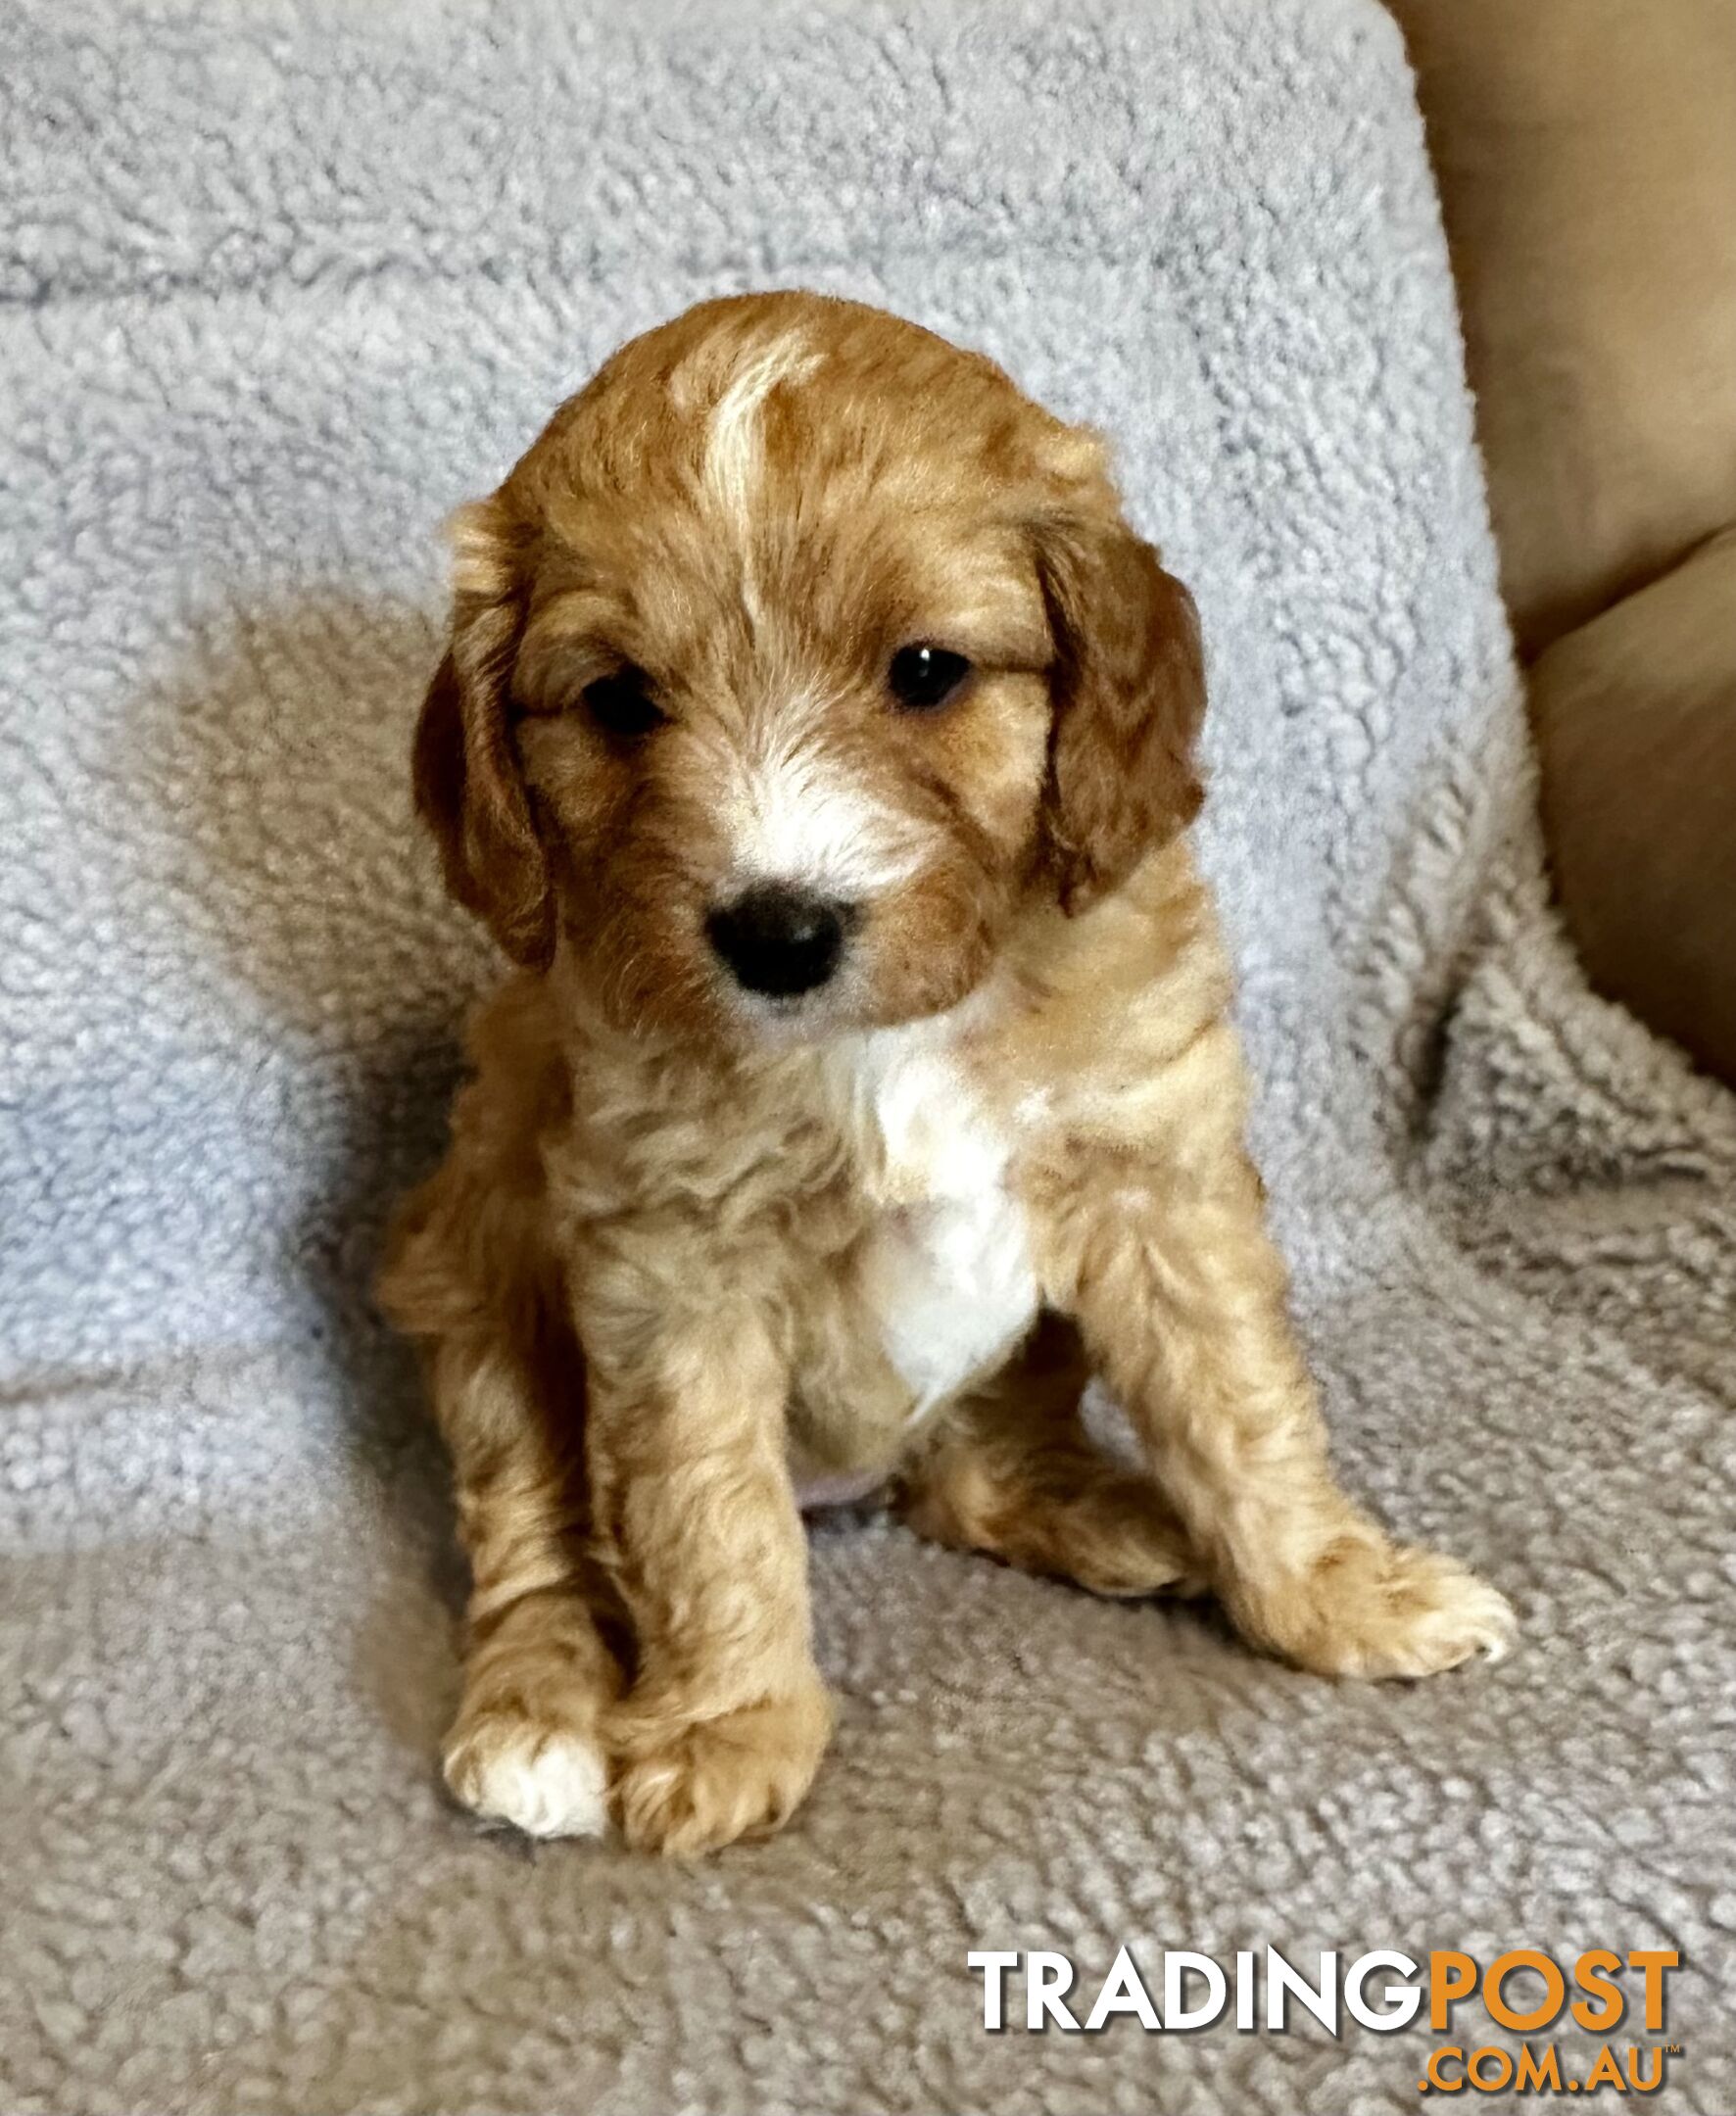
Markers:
point(469, 786)
point(1129, 685)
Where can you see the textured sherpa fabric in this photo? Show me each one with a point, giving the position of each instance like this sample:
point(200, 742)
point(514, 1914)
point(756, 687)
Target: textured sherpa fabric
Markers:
point(281, 284)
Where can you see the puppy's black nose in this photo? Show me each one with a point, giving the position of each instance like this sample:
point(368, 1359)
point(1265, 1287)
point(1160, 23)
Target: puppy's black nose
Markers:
point(778, 940)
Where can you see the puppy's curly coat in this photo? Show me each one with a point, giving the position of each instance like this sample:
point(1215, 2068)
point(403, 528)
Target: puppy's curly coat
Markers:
point(817, 738)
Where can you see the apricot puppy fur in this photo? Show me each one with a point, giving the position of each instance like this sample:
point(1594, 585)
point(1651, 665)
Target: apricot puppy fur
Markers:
point(816, 738)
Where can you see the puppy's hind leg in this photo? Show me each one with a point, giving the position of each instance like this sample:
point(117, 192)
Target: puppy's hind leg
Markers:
point(1013, 1473)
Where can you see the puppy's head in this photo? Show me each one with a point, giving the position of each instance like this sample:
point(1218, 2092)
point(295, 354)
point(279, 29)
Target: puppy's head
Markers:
point(793, 656)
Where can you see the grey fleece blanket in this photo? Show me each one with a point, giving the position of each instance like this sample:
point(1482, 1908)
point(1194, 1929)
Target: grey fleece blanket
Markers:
point(281, 283)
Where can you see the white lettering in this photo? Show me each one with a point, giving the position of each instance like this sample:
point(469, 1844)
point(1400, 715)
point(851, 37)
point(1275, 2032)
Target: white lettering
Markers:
point(1049, 1978)
point(1177, 2013)
point(1123, 1992)
point(1398, 2001)
point(994, 1962)
point(1282, 1978)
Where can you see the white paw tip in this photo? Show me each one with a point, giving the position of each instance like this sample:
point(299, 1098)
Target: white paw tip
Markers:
point(1477, 1624)
point(1498, 1640)
point(1490, 1615)
point(544, 1784)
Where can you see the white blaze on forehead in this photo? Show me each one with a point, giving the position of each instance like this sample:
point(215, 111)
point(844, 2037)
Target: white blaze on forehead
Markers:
point(790, 814)
point(734, 441)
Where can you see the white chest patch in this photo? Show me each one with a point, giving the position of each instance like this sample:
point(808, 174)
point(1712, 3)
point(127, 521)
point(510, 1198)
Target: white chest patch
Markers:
point(946, 1271)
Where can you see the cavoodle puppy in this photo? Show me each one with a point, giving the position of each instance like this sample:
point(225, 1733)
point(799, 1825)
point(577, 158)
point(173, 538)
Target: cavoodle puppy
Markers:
point(817, 739)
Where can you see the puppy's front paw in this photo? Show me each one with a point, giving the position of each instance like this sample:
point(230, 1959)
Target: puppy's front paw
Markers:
point(541, 1776)
point(1369, 1608)
point(742, 1774)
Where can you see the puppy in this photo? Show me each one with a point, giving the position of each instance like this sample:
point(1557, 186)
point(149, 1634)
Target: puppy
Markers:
point(817, 739)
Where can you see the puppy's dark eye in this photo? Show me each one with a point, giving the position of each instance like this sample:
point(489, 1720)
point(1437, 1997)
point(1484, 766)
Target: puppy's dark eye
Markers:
point(622, 704)
point(924, 677)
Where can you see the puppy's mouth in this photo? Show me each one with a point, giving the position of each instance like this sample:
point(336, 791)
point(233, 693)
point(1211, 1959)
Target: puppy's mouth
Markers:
point(780, 1020)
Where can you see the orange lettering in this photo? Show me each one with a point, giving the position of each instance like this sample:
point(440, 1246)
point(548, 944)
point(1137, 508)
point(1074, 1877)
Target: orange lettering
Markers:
point(1535, 2073)
point(1478, 2075)
point(1606, 2072)
point(1592, 1972)
point(1653, 1963)
point(1437, 2079)
point(1636, 2078)
point(1554, 1989)
point(1452, 1976)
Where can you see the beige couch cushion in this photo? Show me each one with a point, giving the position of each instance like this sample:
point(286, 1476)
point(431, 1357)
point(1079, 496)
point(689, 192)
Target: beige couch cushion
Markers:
point(1587, 157)
point(1636, 719)
point(1586, 151)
